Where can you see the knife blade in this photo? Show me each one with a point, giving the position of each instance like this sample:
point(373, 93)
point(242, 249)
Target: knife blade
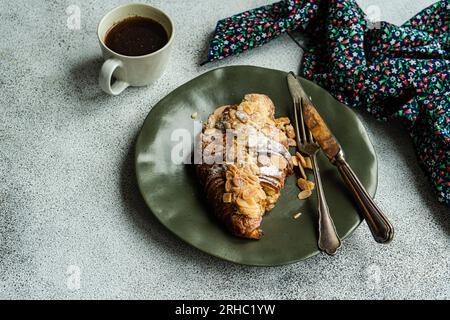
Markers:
point(382, 230)
point(328, 143)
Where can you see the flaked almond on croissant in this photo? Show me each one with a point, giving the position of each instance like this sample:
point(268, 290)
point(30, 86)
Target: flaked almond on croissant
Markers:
point(245, 161)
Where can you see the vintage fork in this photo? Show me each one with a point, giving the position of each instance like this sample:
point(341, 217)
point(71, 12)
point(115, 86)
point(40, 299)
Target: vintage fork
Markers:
point(328, 241)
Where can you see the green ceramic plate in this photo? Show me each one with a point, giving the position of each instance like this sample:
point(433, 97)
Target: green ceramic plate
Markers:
point(172, 192)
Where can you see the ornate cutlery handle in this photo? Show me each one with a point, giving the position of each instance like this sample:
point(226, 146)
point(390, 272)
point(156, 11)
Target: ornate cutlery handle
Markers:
point(382, 230)
point(328, 238)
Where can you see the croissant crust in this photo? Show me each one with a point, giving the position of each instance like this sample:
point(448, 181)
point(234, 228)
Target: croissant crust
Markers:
point(245, 161)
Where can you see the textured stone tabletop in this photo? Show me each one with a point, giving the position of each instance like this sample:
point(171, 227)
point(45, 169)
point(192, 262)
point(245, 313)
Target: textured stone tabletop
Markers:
point(72, 222)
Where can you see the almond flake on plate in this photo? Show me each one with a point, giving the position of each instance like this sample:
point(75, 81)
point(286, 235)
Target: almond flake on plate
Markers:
point(301, 159)
point(295, 161)
point(304, 194)
point(304, 184)
point(297, 215)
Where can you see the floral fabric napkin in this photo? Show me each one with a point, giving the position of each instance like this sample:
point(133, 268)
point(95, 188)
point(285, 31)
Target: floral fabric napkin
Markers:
point(391, 71)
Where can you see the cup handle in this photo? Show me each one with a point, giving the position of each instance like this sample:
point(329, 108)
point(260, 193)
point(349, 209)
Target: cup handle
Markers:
point(105, 77)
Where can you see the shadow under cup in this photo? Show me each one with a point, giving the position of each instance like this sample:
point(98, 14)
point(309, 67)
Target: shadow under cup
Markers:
point(132, 70)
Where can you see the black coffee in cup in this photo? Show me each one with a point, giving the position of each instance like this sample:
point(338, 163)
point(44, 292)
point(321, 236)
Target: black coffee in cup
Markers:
point(136, 36)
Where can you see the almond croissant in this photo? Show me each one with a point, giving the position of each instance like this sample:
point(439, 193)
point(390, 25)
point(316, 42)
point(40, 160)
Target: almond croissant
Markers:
point(245, 161)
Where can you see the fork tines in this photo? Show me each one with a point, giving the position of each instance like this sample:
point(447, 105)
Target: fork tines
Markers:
point(303, 134)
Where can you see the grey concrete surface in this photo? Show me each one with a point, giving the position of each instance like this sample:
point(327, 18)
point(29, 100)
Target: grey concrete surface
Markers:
point(69, 204)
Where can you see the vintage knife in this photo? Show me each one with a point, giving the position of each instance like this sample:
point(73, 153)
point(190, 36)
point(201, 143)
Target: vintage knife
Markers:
point(382, 230)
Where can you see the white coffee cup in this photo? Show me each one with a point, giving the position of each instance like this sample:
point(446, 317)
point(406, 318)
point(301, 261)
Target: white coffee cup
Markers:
point(132, 70)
